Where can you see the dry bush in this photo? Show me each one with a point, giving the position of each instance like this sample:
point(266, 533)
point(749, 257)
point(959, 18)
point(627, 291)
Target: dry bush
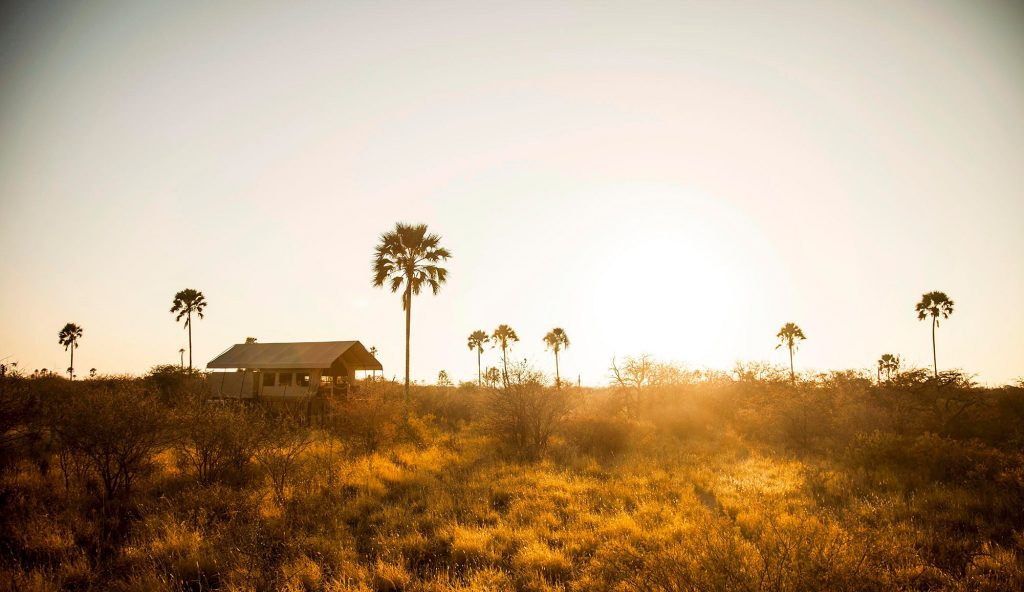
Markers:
point(601, 436)
point(523, 414)
point(217, 440)
point(369, 419)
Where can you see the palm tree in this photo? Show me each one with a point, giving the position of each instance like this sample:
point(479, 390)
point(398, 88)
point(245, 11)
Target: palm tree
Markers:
point(185, 303)
point(181, 358)
point(889, 364)
point(556, 340)
point(504, 336)
point(68, 337)
point(407, 257)
point(790, 335)
point(934, 305)
point(477, 339)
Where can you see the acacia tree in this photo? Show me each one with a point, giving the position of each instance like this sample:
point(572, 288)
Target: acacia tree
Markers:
point(934, 305)
point(557, 340)
point(790, 335)
point(185, 303)
point(476, 341)
point(68, 337)
point(889, 364)
point(504, 336)
point(407, 257)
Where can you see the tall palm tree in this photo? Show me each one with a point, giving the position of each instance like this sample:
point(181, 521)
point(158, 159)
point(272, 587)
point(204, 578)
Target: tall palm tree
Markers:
point(889, 364)
point(185, 303)
point(407, 257)
point(68, 337)
point(504, 336)
point(477, 339)
point(557, 340)
point(934, 305)
point(790, 335)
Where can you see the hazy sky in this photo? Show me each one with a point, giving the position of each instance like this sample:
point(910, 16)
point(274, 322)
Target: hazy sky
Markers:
point(671, 177)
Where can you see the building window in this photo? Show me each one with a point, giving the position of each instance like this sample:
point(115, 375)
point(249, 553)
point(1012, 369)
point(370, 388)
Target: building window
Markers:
point(302, 379)
point(327, 380)
point(268, 378)
point(284, 379)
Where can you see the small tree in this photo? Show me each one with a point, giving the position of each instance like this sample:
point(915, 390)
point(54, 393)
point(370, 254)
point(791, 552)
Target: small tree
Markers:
point(934, 305)
point(523, 414)
point(492, 376)
point(889, 365)
point(632, 377)
point(112, 432)
point(216, 441)
point(283, 442)
point(557, 340)
point(185, 303)
point(790, 335)
point(69, 337)
point(476, 341)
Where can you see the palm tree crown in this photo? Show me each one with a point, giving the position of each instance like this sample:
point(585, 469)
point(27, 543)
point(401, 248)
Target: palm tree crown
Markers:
point(557, 340)
point(68, 337)
point(476, 341)
point(934, 305)
point(406, 258)
point(790, 335)
point(185, 303)
point(889, 364)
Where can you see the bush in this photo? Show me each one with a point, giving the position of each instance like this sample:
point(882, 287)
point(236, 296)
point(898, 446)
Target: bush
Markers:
point(603, 437)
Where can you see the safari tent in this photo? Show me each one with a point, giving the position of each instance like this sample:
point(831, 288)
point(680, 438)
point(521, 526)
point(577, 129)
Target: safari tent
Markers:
point(288, 370)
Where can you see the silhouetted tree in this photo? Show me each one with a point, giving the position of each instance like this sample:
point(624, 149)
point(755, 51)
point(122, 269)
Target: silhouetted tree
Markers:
point(68, 337)
point(181, 358)
point(443, 379)
point(790, 335)
point(373, 352)
point(557, 340)
point(477, 339)
point(492, 376)
point(934, 305)
point(889, 364)
point(92, 373)
point(407, 257)
point(504, 336)
point(185, 303)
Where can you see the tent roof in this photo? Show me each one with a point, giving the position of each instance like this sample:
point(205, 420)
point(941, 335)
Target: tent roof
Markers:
point(309, 354)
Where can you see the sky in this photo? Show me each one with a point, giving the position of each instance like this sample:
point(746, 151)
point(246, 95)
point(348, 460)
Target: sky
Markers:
point(675, 178)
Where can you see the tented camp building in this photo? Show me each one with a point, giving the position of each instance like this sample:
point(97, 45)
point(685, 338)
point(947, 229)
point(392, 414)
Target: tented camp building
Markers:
point(288, 370)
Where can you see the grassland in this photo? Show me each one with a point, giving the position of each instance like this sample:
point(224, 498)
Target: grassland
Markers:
point(713, 482)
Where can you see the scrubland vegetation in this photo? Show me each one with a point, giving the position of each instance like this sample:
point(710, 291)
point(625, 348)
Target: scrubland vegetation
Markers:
point(666, 480)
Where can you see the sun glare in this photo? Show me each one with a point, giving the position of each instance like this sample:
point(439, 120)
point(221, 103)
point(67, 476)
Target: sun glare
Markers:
point(684, 273)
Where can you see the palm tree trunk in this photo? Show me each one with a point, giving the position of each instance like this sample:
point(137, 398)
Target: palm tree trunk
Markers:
point(792, 373)
point(190, 341)
point(71, 372)
point(408, 322)
point(558, 377)
point(479, 377)
point(504, 366)
point(935, 359)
